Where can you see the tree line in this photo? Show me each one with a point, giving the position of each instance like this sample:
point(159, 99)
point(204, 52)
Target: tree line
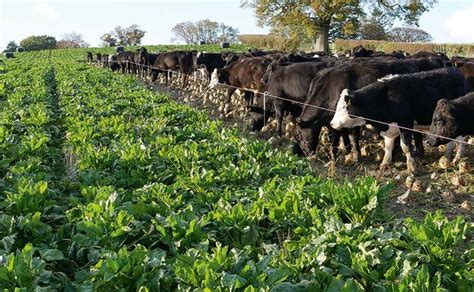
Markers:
point(205, 30)
point(126, 36)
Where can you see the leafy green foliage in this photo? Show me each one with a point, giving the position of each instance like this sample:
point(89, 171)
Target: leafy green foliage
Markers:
point(107, 185)
point(328, 19)
point(36, 43)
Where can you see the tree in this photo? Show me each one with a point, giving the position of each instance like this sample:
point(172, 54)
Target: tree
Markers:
point(119, 34)
point(36, 43)
point(72, 40)
point(11, 47)
point(372, 31)
point(227, 33)
point(409, 35)
point(108, 40)
point(376, 25)
point(134, 35)
point(321, 19)
point(204, 30)
point(125, 36)
point(186, 32)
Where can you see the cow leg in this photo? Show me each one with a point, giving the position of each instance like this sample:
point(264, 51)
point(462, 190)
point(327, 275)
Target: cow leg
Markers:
point(388, 149)
point(278, 107)
point(168, 76)
point(407, 148)
point(354, 138)
point(248, 98)
point(346, 140)
point(185, 80)
point(314, 137)
point(230, 91)
point(448, 153)
point(390, 137)
point(335, 137)
point(419, 150)
point(461, 149)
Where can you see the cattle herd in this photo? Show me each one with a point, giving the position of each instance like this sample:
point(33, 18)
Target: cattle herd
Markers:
point(394, 95)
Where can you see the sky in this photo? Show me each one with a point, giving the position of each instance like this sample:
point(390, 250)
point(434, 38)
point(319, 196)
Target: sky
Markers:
point(450, 21)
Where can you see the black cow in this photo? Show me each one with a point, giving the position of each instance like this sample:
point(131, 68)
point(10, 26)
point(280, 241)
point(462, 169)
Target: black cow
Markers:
point(426, 64)
point(140, 60)
point(246, 73)
point(439, 55)
point(452, 118)
point(169, 62)
point(405, 100)
point(290, 82)
point(360, 51)
point(468, 72)
point(98, 58)
point(324, 93)
point(459, 62)
point(125, 60)
point(297, 58)
point(90, 57)
point(151, 61)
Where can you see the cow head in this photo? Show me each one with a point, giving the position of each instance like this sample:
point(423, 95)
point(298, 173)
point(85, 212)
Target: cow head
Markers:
point(443, 124)
point(306, 135)
point(230, 58)
point(345, 106)
point(219, 76)
point(268, 73)
point(198, 58)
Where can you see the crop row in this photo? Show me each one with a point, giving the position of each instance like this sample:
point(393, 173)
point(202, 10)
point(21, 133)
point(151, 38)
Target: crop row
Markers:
point(110, 185)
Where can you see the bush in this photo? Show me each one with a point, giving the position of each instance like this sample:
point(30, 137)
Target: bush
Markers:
point(466, 50)
point(273, 42)
point(36, 43)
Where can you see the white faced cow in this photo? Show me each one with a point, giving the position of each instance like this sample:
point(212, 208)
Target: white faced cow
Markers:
point(405, 100)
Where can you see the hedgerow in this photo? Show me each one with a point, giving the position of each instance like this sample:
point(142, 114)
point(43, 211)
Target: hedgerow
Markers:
point(466, 50)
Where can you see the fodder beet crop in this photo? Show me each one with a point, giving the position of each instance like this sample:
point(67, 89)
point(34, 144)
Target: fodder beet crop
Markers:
point(108, 185)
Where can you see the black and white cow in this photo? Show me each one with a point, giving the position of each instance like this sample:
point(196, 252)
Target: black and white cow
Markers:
point(404, 100)
point(324, 93)
point(205, 63)
point(168, 62)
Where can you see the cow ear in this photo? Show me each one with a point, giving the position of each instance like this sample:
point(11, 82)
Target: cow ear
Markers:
point(350, 98)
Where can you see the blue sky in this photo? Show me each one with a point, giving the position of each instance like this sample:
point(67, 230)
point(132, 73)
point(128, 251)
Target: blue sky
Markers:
point(449, 21)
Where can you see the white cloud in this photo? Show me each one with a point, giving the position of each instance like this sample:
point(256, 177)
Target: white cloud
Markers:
point(44, 10)
point(459, 25)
